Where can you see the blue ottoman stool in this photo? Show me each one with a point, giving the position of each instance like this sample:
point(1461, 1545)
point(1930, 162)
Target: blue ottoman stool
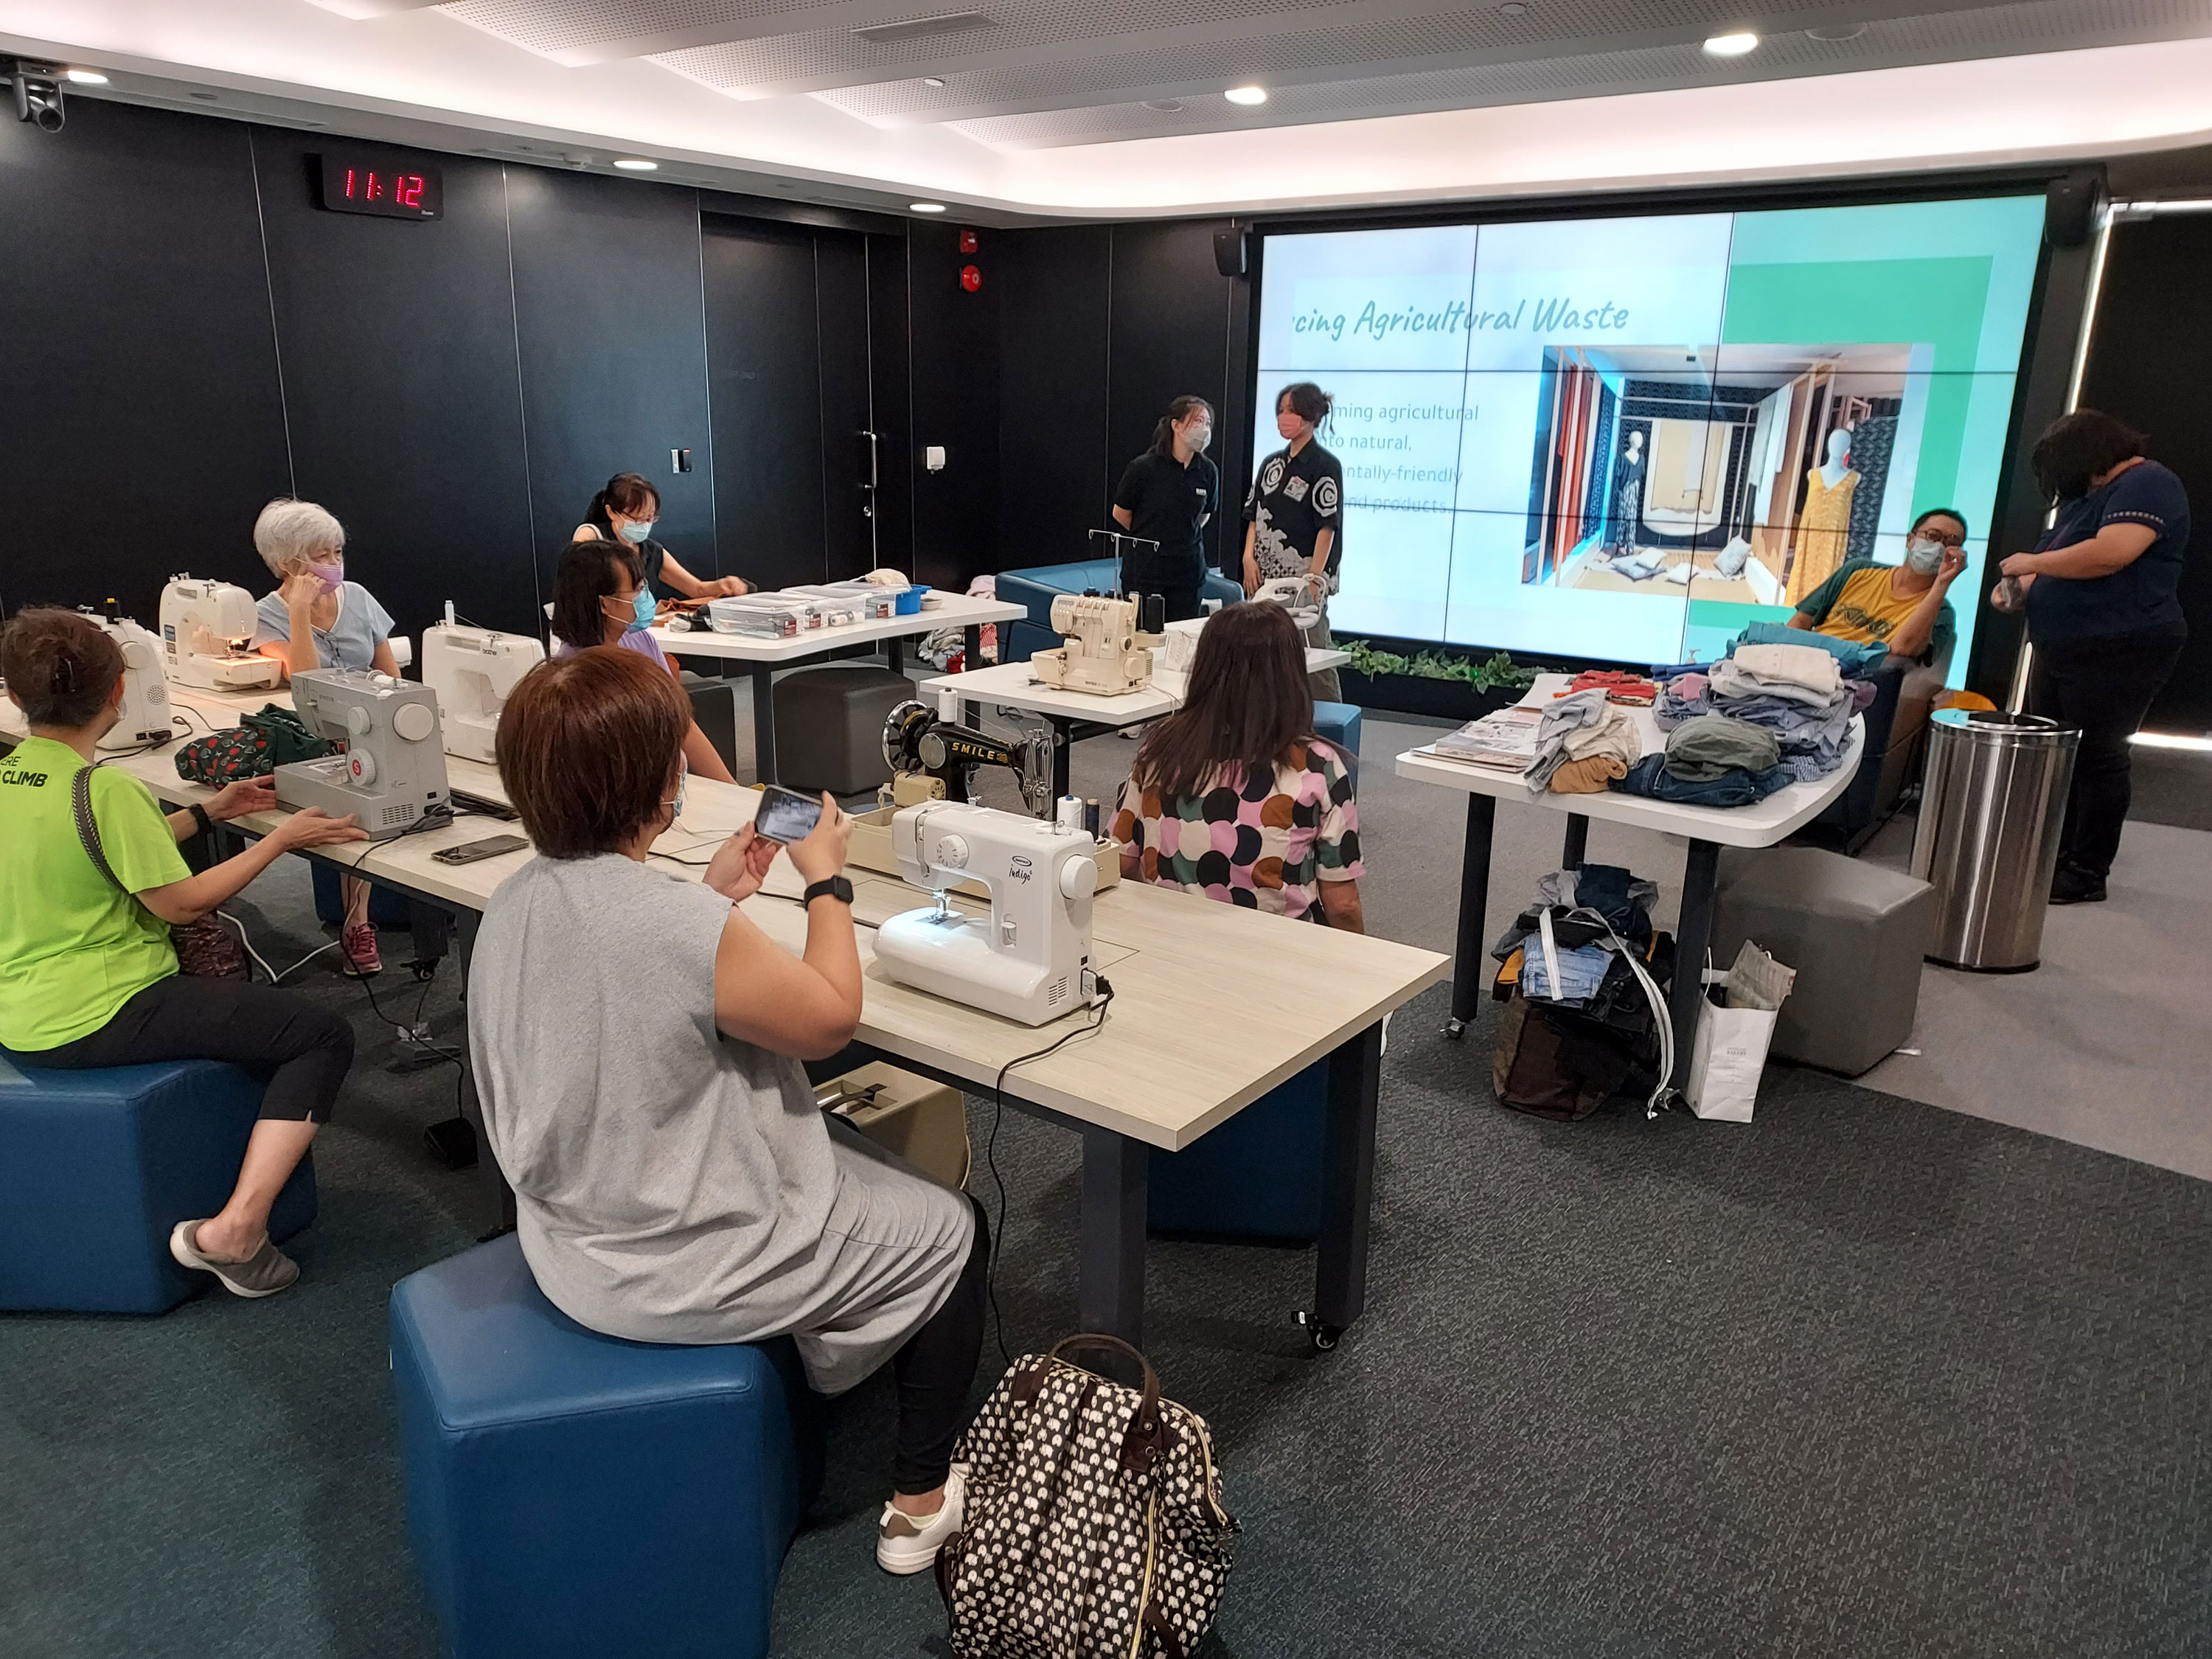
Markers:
point(1258, 1176)
point(573, 1496)
point(97, 1167)
point(1339, 723)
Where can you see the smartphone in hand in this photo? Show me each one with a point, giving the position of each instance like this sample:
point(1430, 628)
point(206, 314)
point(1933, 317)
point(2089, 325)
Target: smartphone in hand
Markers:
point(785, 814)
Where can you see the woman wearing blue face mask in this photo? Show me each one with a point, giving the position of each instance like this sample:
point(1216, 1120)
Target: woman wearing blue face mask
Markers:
point(601, 597)
point(626, 512)
point(318, 619)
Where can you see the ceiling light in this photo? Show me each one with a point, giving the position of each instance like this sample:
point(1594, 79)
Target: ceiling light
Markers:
point(1246, 94)
point(925, 207)
point(636, 164)
point(1166, 106)
point(1731, 46)
point(1513, 9)
point(88, 78)
point(1838, 32)
point(933, 80)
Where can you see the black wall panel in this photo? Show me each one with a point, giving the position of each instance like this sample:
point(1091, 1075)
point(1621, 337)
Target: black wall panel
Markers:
point(1171, 334)
point(143, 422)
point(612, 338)
point(891, 400)
point(1056, 471)
point(406, 417)
point(841, 290)
point(2150, 365)
point(763, 364)
point(955, 355)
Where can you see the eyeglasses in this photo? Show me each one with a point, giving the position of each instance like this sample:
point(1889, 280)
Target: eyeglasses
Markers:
point(1941, 537)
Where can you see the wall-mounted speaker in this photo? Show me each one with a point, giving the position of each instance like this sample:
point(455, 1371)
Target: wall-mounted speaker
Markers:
point(1230, 245)
point(2070, 207)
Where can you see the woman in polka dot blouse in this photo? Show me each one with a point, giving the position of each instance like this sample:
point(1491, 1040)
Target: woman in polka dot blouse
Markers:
point(1232, 796)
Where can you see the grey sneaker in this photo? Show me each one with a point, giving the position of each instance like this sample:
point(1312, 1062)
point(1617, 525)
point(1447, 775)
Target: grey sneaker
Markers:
point(265, 1272)
point(909, 1543)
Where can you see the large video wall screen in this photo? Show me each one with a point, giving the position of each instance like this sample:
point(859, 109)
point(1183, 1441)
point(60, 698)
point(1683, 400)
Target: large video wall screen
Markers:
point(1626, 438)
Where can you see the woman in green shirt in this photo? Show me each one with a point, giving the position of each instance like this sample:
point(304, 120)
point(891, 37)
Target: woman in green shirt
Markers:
point(87, 975)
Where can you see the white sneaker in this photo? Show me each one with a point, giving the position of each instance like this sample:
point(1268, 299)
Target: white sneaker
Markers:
point(908, 1543)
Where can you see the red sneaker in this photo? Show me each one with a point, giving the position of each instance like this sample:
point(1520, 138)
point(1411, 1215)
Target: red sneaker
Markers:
point(359, 949)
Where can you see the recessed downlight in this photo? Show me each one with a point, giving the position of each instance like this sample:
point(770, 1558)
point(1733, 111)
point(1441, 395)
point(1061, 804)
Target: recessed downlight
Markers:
point(1731, 46)
point(925, 207)
point(88, 78)
point(933, 80)
point(636, 164)
point(1166, 106)
point(1247, 95)
point(1837, 31)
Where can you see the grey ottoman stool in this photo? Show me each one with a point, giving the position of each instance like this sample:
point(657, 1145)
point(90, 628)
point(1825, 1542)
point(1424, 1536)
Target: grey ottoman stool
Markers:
point(1853, 932)
point(829, 728)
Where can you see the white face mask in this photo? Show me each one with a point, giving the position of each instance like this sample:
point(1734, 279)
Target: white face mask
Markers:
point(1197, 437)
point(1925, 557)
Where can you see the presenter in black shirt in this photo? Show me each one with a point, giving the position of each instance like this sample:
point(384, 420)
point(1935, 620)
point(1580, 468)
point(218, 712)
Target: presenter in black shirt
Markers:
point(1294, 517)
point(1166, 495)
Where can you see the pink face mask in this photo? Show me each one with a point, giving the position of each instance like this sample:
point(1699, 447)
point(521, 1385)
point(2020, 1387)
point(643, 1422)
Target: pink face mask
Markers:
point(330, 575)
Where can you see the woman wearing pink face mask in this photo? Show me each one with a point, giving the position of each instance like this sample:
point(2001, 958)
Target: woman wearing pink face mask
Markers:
point(318, 619)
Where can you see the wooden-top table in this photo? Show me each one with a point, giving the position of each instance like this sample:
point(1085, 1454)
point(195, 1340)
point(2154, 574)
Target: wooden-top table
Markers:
point(1073, 715)
point(1162, 1069)
point(1708, 829)
point(765, 656)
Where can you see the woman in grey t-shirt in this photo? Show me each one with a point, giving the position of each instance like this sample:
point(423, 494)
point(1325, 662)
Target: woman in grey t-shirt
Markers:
point(674, 1181)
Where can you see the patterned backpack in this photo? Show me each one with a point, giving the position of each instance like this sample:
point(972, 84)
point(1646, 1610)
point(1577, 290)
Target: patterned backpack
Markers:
point(1094, 1528)
point(254, 748)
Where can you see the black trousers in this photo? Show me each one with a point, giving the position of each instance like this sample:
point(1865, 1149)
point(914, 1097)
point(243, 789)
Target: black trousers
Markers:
point(303, 1052)
point(935, 1370)
point(2105, 687)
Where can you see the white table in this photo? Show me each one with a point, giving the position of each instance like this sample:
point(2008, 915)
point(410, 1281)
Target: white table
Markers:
point(1164, 1069)
point(1073, 715)
point(1708, 829)
point(765, 656)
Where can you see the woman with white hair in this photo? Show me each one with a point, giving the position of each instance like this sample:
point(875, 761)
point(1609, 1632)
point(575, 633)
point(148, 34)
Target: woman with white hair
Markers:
point(318, 619)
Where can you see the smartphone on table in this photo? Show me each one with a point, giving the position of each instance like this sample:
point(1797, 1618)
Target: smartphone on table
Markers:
point(490, 847)
point(785, 814)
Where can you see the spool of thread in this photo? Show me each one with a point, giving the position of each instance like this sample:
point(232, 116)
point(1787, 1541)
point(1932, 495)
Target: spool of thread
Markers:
point(1090, 816)
point(1068, 815)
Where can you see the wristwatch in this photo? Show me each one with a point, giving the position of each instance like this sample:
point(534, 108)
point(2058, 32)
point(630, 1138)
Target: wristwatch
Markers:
point(835, 887)
point(200, 817)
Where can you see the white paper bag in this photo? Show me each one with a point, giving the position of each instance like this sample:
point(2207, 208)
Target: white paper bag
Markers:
point(1725, 1065)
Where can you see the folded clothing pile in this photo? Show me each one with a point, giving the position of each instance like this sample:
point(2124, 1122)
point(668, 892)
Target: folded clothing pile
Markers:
point(1584, 738)
point(1855, 657)
point(1583, 906)
point(1618, 685)
point(1711, 761)
point(1795, 692)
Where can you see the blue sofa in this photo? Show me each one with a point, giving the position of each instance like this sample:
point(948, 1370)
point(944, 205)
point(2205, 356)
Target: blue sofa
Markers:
point(1036, 587)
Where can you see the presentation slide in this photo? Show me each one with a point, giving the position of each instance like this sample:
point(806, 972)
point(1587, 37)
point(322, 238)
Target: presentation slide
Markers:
point(1628, 438)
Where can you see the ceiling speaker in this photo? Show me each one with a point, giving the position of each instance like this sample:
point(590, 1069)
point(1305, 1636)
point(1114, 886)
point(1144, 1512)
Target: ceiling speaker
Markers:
point(1230, 245)
point(2070, 207)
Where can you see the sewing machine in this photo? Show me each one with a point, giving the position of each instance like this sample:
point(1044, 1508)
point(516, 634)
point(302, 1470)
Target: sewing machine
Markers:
point(1099, 652)
point(392, 774)
point(1296, 595)
point(471, 671)
point(145, 712)
point(207, 629)
point(1029, 959)
point(934, 758)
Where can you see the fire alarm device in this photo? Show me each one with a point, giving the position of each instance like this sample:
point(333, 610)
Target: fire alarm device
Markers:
point(970, 278)
point(967, 241)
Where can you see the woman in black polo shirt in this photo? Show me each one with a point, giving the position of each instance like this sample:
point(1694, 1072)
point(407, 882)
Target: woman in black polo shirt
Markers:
point(2102, 591)
point(1166, 495)
point(1294, 516)
point(624, 511)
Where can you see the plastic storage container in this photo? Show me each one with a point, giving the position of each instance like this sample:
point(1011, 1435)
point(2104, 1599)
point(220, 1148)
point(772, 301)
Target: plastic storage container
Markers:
point(1991, 815)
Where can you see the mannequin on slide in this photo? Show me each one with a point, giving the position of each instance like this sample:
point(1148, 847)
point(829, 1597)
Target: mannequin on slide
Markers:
point(1627, 497)
point(1824, 528)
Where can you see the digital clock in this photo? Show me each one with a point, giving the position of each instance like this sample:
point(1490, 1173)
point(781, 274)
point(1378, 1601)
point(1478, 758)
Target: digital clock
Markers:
point(366, 181)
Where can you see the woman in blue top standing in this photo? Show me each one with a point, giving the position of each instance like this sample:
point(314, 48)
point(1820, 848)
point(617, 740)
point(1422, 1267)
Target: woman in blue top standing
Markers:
point(318, 619)
point(2102, 592)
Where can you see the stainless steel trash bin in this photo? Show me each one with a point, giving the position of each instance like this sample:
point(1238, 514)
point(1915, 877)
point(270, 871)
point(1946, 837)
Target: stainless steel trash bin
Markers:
point(1991, 810)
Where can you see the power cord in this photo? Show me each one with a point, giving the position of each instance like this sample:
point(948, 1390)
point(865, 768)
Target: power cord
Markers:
point(991, 1152)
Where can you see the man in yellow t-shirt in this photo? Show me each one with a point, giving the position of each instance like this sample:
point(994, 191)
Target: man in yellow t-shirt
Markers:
point(1905, 607)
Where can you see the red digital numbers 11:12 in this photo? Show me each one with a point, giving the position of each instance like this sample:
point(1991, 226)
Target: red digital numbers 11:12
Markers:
point(405, 189)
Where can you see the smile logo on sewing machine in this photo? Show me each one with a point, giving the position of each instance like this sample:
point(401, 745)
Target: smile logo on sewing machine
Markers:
point(1018, 868)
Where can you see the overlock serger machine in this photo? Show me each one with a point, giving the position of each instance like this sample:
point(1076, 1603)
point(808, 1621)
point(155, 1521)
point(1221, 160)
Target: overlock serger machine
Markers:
point(471, 671)
point(145, 712)
point(1098, 651)
point(207, 631)
point(1029, 959)
point(392, 774)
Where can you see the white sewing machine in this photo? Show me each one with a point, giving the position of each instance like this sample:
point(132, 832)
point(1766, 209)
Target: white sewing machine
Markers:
point(1296, 595)
point(471, 672)
point(392, 773)
point(1029, 959)
point(145, 712)
point(1099, 652)
point(207, 629)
